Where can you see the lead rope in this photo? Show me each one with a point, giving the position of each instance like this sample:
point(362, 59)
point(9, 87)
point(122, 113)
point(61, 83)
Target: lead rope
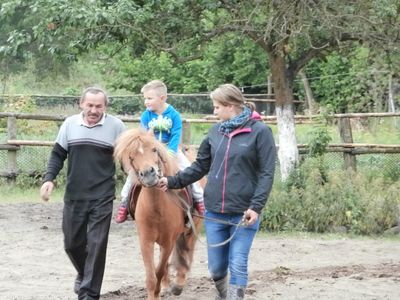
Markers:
point(187, 209)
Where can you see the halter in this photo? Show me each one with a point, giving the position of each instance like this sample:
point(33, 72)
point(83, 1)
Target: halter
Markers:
point(159, 174)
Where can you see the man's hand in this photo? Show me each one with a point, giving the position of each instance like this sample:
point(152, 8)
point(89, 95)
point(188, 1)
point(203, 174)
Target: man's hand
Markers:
point(163, 184)
point(46, 189)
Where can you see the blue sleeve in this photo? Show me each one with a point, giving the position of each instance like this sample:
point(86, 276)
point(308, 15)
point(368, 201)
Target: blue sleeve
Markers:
point(176, 132)
point(144, 120)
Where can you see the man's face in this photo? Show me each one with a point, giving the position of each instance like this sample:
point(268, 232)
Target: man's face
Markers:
point(93, 107)
point(153, 101)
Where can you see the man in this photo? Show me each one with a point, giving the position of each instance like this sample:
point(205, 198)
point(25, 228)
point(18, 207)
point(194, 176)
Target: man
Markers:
point(87, 140)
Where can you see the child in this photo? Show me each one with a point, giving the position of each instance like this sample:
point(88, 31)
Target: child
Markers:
point(166, 123)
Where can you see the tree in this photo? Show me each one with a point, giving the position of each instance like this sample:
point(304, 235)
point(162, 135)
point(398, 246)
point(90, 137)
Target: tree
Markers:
point(290, 33)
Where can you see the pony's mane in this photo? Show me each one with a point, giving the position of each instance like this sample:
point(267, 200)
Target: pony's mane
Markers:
point(131, 140)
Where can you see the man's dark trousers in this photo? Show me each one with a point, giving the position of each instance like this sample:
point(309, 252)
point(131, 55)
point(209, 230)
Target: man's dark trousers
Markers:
point(86, 225)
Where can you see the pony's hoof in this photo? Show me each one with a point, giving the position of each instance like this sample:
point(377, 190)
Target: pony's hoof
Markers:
point(177, 290)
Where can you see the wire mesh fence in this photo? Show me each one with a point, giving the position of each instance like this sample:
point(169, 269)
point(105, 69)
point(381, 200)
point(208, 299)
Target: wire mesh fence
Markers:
point(32, 160)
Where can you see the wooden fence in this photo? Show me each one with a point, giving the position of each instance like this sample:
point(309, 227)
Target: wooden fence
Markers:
point(349, 149)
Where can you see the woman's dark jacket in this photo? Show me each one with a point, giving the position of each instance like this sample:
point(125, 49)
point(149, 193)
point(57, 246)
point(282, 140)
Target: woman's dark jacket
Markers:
point(240, 168)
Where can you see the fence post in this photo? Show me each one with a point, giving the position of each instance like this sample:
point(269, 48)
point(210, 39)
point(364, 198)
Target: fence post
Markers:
point(186, 132)
point(12, 154)
point(347, 137)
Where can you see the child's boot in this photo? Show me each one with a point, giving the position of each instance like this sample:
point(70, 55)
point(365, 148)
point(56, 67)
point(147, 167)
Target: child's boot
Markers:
point(199, 206)
point(122, 214)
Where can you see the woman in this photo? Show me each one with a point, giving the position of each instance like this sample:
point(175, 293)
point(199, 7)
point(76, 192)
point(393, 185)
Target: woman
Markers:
point(238, 155)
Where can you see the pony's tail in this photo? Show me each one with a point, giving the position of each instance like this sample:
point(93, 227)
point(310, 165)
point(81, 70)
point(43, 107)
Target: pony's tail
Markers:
point(182, 256)
point(181, 259)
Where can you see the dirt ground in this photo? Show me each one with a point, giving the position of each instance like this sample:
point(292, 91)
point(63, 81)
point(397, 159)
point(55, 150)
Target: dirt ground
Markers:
point(33, 264)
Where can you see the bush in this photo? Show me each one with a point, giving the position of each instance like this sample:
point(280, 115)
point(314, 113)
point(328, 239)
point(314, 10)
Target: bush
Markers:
point(343, 201)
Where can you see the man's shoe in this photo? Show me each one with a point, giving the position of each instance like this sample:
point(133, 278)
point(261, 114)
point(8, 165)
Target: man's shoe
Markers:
point(77, 283)
point(199, 206)
point(122, 214)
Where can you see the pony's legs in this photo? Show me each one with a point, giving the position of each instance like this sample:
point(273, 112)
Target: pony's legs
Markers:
point(147, 249)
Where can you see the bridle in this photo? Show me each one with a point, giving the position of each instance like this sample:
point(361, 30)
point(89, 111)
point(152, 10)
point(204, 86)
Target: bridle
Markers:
point(159, 170)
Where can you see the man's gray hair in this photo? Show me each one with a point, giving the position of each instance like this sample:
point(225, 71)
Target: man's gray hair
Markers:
point(95, 90)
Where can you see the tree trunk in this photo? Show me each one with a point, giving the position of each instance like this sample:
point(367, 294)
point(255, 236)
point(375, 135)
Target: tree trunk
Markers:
point(312, 105)
point(288, 153)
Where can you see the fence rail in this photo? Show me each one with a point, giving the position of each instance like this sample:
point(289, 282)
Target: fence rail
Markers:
point(349, 149)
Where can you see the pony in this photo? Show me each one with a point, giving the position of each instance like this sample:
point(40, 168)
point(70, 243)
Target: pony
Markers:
point(159, 216)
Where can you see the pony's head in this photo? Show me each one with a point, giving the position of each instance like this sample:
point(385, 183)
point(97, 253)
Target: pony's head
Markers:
point(140, 152)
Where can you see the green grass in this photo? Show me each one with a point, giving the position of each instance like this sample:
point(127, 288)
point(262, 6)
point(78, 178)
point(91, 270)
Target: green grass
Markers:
point(326, 236)
point(14, 194)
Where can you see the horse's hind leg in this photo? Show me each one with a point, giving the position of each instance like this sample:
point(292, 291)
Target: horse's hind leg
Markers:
point(183, 256)
point(181, 260)
point(165, 281)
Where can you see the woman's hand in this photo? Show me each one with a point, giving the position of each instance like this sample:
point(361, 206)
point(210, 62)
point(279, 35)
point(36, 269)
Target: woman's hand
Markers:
point(250, 217)
point(163, 184)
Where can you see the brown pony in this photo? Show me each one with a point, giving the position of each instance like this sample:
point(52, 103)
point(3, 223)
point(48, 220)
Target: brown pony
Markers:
point(160, 217)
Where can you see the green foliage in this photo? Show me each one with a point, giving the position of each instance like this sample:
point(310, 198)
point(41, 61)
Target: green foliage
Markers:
point(318, 141)
point(26, 181)
point(391, 171)
point(227, 59)
point(313, 167)
point(16, 104)
point(352, 81)
point(344, 202)
point(208, 43)
point(123, 105)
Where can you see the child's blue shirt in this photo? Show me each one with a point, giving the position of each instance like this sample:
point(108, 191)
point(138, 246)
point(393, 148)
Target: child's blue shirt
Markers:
point(167, 127)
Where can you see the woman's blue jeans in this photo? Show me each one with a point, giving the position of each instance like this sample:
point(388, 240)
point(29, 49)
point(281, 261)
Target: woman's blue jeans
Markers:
point(233, 255)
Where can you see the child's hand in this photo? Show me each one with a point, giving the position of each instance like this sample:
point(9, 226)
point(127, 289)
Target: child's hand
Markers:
point(46, 189)
point(163, 184)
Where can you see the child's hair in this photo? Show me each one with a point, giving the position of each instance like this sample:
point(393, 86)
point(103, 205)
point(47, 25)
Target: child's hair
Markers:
point(228, 94)
point(156, 85)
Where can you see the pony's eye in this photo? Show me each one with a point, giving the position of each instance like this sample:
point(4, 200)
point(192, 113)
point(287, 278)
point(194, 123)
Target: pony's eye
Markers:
point(154, 149)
